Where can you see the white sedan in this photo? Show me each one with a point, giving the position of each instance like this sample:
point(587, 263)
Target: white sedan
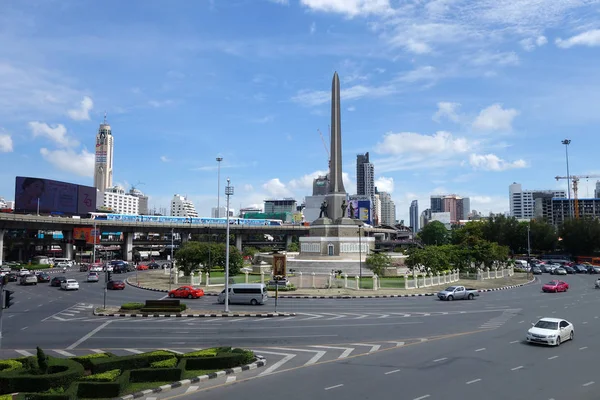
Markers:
point(551, 331)
point(69, 284)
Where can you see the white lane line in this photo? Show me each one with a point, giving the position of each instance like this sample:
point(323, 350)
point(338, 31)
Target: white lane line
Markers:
point(422, 397)
point(10, 316)
point(24, 328)
point(191, 389)
point(392, 372)
point(521, 322)
point(585, 322)
point(24, 353)
point(516, 368)
point(588, 384)
point(583, 348)
point(374, 347)
point(230, 379)
point(96, 351)
point(552, 358)
point(64, 353)
point(514, 341)
point(481, 349)
point(362, 316)
point(398, 344)
point(383, 316)
point(70, 315)
point(89, 335)
point(346, 353)
point(39, 305)
point(313, 360)
point(134, 351)
point(473, 381)
point(440, 359)
point(287, 357)
point(333, 387)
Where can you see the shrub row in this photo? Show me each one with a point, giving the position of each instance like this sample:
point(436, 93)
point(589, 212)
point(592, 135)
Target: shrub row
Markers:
point(61, 373)
point(102, 390)
point(108, 376)
point(99, 365)
point(155, 375)
point(86, 360)
point(132, 306)
point(181, 307)
point(219, 361)
point(9, 365)
point(168, 363)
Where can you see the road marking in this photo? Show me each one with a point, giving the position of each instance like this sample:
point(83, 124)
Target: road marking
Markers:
point(481, 349)
point(134, 351)
point(422, 397)
point(39, 305)
point(374, 347)
point(26, 310)
point(164, 297)
point(521, 322)
point(314, 316)
point(24, 353)
point(24, 328)
point(588, 384)
point(287, 357)
point(383, 316)
point(552, 358)
point(398, 344)
point(583, 348)
point(516, 368)
point(346, 353)
point(10, 316)
point(514, 341)
point(440, 359)
point(473, 381)
point(230, 379)
point(313, 360)
point(392, 372)
point(584, 322)
point(64, 353)
point(70, 315)
point(89, 335)
point(191, 389)
point(96, 351)
point(333, 387)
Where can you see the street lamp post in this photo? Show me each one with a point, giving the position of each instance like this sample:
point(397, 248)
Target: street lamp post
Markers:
point(567, 142)
point(360, 252)
point(228, 192)
point(94, 249)
point(219, 159)
point(172, 262)
point(529, 248)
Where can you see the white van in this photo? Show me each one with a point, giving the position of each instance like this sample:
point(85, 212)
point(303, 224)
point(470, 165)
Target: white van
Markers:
point(244, 293)
point(63, 262)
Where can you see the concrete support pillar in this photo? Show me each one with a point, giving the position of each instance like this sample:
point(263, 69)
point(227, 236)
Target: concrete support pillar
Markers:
point(238, 242)
point(67, 247)
point(2, 232)
point(128, 247)
point(288, 241)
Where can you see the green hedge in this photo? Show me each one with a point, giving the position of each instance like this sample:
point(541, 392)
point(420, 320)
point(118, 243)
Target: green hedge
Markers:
point(9, 365)
point(102, 390)
point(62, 373)
point(202, 353)
point(169, 363)
point(155, 375)
point(289, 288)
point(144, 360)
point(132, 306)
point(220, 361)
point(86, 360)
point(108, 376)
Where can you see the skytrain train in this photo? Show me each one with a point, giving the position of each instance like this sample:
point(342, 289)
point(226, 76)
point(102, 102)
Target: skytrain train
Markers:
point(184, 220)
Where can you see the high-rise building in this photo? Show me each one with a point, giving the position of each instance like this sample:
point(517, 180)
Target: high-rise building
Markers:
point(597, 191)
point(103, 168)
point(320, 186)
point(119, 202)
point(365, 175)
point(280, 206)
point(414, 215)
point(451, 206)
point(464, 205)
point(522, 204)
point(425, 217)
point(436, 203)
point(143, 201)
point(388, 209)
point(182, 207)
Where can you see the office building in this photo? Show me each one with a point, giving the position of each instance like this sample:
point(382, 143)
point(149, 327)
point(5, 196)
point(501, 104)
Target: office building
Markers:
point(103, 167)
point(182, 207)
point(220, 212)
point(365, 176)
point(414, 216)
point(424, 218)
point(597, 191)
point(388, 209)
point(522, 204)
point(436, 203)
point(280, 206)
point(142, 202)
point(244, 210)
point(320, 186)
point(116, 200)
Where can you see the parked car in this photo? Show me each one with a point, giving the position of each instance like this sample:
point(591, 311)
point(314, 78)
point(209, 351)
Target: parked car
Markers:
point(43, 277)
point(457, 293)
point(57, 281)
point(570, 270)
point(142, 267)
point(115, 285)
point(63, 264)
point(555, 287)
point(536, 270)
point(580, 268)
point(153, 265)
point(28, 280)
point(550, 331)
point(559, 271)
point(93, 277)
point(12, 277)
point(69, 284)
point(119, 269)
point(186, 291)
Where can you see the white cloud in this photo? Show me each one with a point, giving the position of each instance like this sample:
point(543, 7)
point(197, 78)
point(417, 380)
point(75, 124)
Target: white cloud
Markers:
point(495, 118)
point(6, 143)
point(57, 133)
point(248, 187)
point(528, 44)
point(284, 2)
point(448, 110)
point(160, 104)
point(350, 8)
point(495, 59)
point(264, 120)
point(416, 143)
point(164, 159)
point(589, 38)
point(426, 73)
point(276, 188)
point(351, 108)
point(305, 182)
point(313, 28)
point(541, 40)
point(491, 162)
point(81, 164)
point(83, 112)
point(385, 184)
point(315, 98)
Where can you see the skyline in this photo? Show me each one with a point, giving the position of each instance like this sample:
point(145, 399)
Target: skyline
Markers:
point(448, 96)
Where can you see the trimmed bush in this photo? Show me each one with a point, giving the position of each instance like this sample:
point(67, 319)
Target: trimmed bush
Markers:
point(9, 365)
point(201, 353)
point(61, 373)
point(144, 360)
point(86, 360)
point(155, 375)
point(102, 390)
point(132, 306)
point(108, 376)
point(42, 360)
point(171, 309)
point(289, 288)
point(169, 363)
point(220, 361)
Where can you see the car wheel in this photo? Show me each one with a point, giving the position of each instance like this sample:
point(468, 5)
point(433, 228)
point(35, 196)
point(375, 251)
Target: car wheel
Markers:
point(571, 335)
point(450, 298)
point(190, 296)
point(171, 295)
point(471, 296)
point(253, 302)
point(558, 341)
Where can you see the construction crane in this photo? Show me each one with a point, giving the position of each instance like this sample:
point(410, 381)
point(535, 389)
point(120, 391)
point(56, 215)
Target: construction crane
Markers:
point(134, 187)
point(575, 179)
point(325, 145)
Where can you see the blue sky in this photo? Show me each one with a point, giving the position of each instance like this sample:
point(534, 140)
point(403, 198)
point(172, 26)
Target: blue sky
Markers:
point(449, 96)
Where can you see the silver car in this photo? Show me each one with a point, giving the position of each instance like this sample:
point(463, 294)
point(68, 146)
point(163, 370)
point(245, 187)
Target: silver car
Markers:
point(29, 280)
point(93, 277)
point(559, 271)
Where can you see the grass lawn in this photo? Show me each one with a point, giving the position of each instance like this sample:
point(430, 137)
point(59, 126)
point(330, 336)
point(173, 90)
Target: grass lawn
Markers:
point(197, 372)
point(219, 277)
point(139, 386)
point(392, 282)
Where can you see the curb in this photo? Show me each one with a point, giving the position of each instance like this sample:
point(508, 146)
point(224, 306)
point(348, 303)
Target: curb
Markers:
point(507, 287)
point(261, 315)
point(260, 362)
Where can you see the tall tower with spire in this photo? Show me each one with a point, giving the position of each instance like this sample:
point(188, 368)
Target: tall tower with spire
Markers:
point(103, 167)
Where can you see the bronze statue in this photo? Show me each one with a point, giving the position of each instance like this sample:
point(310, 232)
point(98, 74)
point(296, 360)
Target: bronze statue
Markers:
point(351, 210)
point(344, 207)
point(323, 212)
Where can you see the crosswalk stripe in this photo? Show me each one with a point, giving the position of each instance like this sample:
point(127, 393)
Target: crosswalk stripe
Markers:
point(287, 357)
point(374, 347)
point(313, 360)
point(313, 316)
point(97, 351)
point(230, 379)
point(398, 344)
point(191, 389)
point(24, 353)
point(64, 353)
point(346, 353)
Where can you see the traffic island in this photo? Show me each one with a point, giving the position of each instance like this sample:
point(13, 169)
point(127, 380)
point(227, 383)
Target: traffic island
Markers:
point(134, 310)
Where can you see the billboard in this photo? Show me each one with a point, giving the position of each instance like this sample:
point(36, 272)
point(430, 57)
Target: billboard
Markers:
point(48, 196)
point(86, 234)
point(364, 211)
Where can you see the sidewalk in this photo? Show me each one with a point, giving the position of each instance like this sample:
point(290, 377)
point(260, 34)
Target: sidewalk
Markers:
point(159, 282)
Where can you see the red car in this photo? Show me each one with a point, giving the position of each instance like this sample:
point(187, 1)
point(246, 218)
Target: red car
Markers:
point(142, 267)
point(115, 285)
point(186, 291)
point(555, 286)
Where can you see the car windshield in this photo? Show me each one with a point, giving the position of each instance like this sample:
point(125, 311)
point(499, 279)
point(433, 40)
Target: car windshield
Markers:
point(450, 289)
point(552, 283)
point(546, 325)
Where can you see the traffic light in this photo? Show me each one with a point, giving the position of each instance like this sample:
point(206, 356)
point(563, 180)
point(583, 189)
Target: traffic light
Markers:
point(108, 276)
point(8, 300)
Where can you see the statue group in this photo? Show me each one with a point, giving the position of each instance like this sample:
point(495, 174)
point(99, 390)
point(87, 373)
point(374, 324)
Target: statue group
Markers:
point(345, 206)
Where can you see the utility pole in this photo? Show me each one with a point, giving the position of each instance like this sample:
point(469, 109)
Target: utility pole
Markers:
point(567, 142)
point(360, 251)
point(228, 192)
point(529, 248)
point(172, 261)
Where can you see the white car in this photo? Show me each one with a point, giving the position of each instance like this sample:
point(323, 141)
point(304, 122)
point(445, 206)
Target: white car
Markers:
point(70, 284)
point(23, 272)
point(97, 268)
point(551, 331)
point(63, 264)
point(93, 277)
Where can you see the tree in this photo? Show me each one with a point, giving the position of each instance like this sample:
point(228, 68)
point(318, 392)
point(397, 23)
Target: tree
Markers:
point(543, 236)
point(195, 254)
point(434, 233)
point(249, 251)
point(294, 247)
point(432, 258)
point(580, 237)
point(378, 262)
point(42, 360)
point(189, 257)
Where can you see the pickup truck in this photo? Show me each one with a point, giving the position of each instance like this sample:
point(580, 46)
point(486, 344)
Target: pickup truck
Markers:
point(457, 293)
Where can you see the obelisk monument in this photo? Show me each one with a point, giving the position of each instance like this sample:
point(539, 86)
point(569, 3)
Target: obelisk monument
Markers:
point(337, 194)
